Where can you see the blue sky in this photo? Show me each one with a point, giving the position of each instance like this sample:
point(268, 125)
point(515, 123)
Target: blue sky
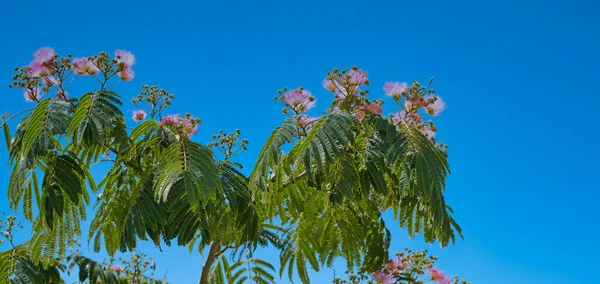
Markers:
point(520, 79)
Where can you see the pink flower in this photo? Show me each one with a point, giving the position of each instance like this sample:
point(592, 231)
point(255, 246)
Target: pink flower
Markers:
point(188, 127)
point(44, 55)
point(381, 277)
point(139, 115)
point(125, 58)
point(305, 120)
point(398, 116)
point(62, 95)
point(83, 66)
point(36, 69)
point(359, 114)
point(428, 132)
point(329, 85)
point(395, 89)
point(170, 120)
point(357, 77)
point(126, 74)
point(395, 266)
point(299, 100)
point(435, 105)
point(415, 103)
point(436, 274)
point(32, 95)
point(50, 81)
point(372, 108)
point(117, 268)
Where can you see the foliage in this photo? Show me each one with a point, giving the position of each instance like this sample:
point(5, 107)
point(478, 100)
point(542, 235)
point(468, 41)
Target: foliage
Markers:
point(320, 200)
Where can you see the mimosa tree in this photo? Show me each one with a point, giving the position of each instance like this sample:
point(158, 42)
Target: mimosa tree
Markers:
point(320, 200)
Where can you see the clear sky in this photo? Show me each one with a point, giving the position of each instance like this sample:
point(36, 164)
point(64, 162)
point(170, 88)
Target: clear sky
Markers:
point(520, 79)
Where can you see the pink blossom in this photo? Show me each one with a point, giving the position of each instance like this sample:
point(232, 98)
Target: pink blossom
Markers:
point(398, 116)
point(357, 77)
point(299, 100)
point(305, 120)
point(83, 66)
point(360, 114)
point(436, 274)
point(139, 115)
point(395, 89)
point(372, 108)
point(44, 55)
point(32, 94)
point(50, 81)
point(428, 132)
point(62, 95)
point(381, 277)
point(188, 127)
point(395, 266)
point(329, 85)
point(126, 74)
point(117, 268)
point(435, 105)
point(170, 120)
point(36, 69)
point(126, 58)
point(415, 103)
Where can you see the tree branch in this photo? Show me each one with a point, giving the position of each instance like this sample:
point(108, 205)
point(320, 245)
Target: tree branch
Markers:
point(213, 253)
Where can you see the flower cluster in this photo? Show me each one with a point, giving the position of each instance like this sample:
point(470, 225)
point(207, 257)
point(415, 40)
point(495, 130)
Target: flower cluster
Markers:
point(125, 61)
point(406, 267)
point(413, 102)
point(346, 84)
point(298, 100)
point(186, 125)
point(228, 143)
point(47, 72)
point(139, 115)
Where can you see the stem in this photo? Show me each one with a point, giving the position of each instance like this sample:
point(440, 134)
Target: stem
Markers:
point(16, 114)
point(213, 253)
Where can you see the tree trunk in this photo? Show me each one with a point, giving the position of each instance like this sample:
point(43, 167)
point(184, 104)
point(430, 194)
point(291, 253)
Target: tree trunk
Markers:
point(213, 253)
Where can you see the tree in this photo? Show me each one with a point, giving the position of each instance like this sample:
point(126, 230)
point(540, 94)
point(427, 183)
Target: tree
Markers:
point(321, 200)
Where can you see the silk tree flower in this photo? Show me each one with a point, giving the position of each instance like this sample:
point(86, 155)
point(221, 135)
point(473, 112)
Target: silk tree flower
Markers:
point(436, 274)
point(329, 85)
point(32, 94)
point(395, 89)
point(62, 95)
point(117, 268)
point(83, 66)
point(44, 55)
point(381, 277)
point(435, 105)
point(398, 117)
point(396, 266)
point(357, 77)
point(428, 132)
point(50, 81)
point(124, 58)
point(372, 108)
point(36, 69)
point(168, 120)
point(126, 74)
point(188, 127)
point(305, 120)
point(139, 115)
point(299, 100)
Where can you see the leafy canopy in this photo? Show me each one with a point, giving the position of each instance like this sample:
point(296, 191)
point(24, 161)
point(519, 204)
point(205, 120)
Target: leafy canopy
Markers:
point(317, 191)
